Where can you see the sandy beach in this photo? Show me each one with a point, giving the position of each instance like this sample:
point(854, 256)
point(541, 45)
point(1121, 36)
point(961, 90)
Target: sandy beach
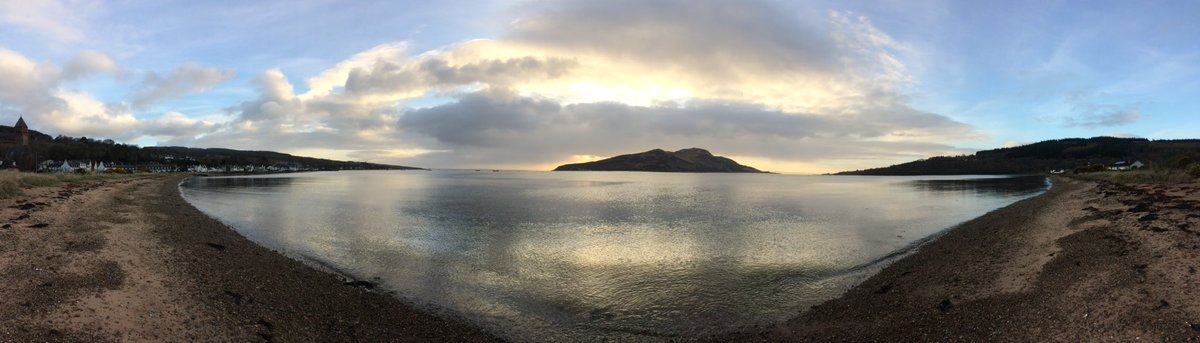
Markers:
point(1083, 262)
point(132, 261)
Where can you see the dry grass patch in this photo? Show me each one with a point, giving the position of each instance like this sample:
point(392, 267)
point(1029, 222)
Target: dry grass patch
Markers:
point(12, 182)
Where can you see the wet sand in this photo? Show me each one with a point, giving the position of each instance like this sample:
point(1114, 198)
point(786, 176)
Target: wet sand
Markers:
point(132, 261)
point(1082, 262)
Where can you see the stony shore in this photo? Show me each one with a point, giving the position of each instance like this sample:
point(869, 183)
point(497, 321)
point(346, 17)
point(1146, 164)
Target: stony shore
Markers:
point(132, 261)
point(1083, 262)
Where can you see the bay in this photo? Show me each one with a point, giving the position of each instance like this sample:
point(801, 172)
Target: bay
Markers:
point(589, 256)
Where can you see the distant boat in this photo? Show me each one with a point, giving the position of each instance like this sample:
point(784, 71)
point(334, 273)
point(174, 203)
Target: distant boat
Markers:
point(495, 170)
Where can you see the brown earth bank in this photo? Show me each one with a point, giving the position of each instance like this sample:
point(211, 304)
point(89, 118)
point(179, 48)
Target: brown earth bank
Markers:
point(1085, 261)
point(132, 261)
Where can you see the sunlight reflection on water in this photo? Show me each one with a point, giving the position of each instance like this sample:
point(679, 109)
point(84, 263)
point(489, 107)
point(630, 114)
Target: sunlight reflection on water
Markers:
point(594, 255)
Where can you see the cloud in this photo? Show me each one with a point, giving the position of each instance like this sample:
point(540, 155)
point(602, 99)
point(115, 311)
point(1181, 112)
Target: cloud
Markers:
point(281, 120)
point(81, 114)
point(768, 80)
point(40, 92)
point(35, 90)
point(333, 79)
point(1088, 112)
point(174, 124)
point(645, 52)
point(1095, 116)
point(27, 84)
point(88, 63)
point(183, 80)
point(398, 82)
point(717, 39)
point(502, 128)
point(61, 20)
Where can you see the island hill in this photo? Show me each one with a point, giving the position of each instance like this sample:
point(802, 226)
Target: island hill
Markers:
point(1071, 154)
point(693, 160)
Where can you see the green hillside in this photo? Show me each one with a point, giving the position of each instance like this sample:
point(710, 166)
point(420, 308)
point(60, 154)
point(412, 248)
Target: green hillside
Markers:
point(1048, 155)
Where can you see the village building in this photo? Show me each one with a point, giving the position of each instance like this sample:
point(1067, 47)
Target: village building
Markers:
point(1125, 165)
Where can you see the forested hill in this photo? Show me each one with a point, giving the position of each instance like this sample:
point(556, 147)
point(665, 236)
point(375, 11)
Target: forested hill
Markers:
point(1044, 156)
point(69, 148)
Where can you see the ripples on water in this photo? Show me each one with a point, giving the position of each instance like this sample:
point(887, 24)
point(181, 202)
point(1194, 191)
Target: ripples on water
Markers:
point(593, 255)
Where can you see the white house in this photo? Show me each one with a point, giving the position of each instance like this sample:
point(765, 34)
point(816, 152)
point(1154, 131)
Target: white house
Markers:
point(1136, 165)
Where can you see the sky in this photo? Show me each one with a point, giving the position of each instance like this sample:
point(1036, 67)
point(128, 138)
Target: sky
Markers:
point(787, 86)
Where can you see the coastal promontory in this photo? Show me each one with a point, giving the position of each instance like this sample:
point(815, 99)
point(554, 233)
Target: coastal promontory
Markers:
point(693, 160)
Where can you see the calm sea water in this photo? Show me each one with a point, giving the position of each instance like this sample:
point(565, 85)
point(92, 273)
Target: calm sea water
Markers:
point(564, 256)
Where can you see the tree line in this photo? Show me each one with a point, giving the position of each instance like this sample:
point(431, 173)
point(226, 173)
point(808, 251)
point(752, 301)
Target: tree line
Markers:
point(64, 148)
point(1042, 157)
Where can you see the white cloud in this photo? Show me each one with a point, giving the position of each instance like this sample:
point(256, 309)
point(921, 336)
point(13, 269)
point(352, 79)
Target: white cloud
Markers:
point(27, 84)
point(183, 80)
point(83, 115)
point(40, 92)
point(63, 20)
point(175, 124)
point(334, 78)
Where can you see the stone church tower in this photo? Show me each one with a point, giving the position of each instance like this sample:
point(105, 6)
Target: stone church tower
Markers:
point(22, 130)
point(20, 154)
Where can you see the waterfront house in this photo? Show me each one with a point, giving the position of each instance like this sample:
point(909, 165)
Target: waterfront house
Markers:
point(68, 167)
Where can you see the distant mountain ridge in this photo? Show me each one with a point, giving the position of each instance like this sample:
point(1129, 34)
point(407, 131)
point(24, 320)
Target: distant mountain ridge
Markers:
point(692, 160)
point(1044, 156)
point(69, 148)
